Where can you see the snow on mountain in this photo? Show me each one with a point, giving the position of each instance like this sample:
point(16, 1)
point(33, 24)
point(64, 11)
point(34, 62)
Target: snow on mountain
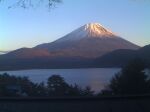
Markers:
point(97, 30)
point(87, 31)
point(90, 40)
point(77, 49)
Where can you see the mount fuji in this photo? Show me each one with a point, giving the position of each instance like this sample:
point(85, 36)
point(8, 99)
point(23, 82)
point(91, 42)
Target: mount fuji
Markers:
point(74, 49)
point(90, 41)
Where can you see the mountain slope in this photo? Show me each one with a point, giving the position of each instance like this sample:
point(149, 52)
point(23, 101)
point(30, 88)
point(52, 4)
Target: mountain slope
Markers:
point(90, 41)
point(121, 57)
point(26, 53)
point(3, 52)
point(77, 49)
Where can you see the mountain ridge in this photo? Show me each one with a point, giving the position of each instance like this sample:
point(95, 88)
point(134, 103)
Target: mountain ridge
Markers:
point(117, 58)
point(121, 57)
point(87, 39)
point(76, 49)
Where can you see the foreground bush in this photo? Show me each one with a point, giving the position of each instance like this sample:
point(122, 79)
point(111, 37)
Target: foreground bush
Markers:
point(132, 80)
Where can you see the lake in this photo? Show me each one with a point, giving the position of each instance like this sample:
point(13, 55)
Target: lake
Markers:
point(96, 78)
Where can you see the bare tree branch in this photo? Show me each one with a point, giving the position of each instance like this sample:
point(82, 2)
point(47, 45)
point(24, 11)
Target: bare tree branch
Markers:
point(32, 3)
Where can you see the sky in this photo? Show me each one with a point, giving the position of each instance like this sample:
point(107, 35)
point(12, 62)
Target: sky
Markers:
point(19, 27)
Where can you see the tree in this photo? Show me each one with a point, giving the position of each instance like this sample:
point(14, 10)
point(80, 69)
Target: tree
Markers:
point(16, 86)
point(57, 86)
point(33, 3)
point(75, 90)
point(13, 86)
point(41, 90)
point(87, 91)
point(131, 80)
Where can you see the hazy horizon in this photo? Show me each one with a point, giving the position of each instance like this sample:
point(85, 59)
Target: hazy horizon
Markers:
point(30, 27)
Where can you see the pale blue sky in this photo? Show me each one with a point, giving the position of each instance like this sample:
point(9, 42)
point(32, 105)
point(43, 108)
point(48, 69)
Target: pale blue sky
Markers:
point(29, 27)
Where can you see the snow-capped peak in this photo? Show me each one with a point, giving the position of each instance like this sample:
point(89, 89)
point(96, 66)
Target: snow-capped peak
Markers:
point(97, 30)
point(90, 30)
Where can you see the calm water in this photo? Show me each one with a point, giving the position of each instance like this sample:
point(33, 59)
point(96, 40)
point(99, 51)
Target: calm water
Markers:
point(96, 78)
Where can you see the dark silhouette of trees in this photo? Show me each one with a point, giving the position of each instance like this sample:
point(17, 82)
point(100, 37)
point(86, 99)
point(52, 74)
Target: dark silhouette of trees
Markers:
point(16, 86)
point(131, 80)
point(78, 91)
point(40, 90)
point(88, 92)
point(12, 86)
point(57, 86)
point(75, 90)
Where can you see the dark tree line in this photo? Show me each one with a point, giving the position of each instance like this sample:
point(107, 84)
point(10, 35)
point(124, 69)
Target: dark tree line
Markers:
point(131, 80)
point(12, 86)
